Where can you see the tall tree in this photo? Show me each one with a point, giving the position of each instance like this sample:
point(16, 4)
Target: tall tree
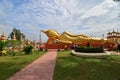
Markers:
point(17, 33)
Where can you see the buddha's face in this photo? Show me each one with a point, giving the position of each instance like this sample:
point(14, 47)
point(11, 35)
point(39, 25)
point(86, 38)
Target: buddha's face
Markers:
point(52, 34)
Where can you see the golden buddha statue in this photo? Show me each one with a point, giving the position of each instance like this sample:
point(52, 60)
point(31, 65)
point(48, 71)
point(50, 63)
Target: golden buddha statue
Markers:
point(66, 37)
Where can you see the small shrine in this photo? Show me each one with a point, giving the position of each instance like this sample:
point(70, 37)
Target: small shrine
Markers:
point(34, 44)
point(13, 37)
point(28, 42)
point(3, 37)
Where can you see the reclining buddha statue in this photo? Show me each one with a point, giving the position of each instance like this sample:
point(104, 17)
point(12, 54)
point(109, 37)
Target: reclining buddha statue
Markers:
point(66, 37)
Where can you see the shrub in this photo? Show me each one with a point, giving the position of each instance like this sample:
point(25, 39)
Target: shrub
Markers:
point(89, 49)
point(28, 49)
point(41, 49)
point(58, 49)
point(102, 48)
point(65, 49)
point(46, 49)
point(2, 46)
point(12, 53)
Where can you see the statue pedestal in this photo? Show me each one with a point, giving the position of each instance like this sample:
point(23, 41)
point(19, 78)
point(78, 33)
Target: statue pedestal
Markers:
point(52, 44)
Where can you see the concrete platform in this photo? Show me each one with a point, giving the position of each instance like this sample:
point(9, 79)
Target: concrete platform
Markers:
point(91, 55)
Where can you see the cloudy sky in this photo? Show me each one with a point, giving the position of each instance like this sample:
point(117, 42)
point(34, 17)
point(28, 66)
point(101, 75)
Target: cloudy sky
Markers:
point(90, 17)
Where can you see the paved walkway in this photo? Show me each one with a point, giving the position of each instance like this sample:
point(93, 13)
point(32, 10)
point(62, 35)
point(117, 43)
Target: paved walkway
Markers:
point(41, 69)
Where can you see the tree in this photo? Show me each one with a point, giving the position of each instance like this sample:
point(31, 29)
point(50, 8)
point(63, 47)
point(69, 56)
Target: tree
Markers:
point(17, 33)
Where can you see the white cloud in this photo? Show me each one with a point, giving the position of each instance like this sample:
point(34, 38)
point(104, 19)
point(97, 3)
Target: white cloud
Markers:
point(74, 16)
point(99, 9)
point(5, 28)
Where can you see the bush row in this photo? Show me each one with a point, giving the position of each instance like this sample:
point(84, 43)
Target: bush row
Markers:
point(89, 49)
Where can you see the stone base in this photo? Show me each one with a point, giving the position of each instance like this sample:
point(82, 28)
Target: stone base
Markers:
point(91, 55)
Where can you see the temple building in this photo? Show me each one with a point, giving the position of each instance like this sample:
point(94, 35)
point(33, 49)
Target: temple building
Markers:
point(113, 36)
point(3, 37)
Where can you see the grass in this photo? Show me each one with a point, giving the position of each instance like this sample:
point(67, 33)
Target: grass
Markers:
point(12, 64)
point(69, 67)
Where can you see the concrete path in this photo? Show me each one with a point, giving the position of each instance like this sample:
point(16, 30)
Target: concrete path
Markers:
point(41, 69)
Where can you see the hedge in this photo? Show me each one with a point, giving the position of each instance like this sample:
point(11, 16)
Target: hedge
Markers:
point(89, 49)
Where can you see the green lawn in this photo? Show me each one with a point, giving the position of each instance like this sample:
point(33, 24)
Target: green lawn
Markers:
point(69, 67)
point(12, 64)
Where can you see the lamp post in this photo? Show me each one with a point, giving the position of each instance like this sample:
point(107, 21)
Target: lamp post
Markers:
point(40, 43)
point(103, 39)
point(22, 41)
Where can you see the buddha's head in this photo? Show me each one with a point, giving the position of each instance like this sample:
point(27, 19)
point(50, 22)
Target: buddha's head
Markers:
point(52, 34)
